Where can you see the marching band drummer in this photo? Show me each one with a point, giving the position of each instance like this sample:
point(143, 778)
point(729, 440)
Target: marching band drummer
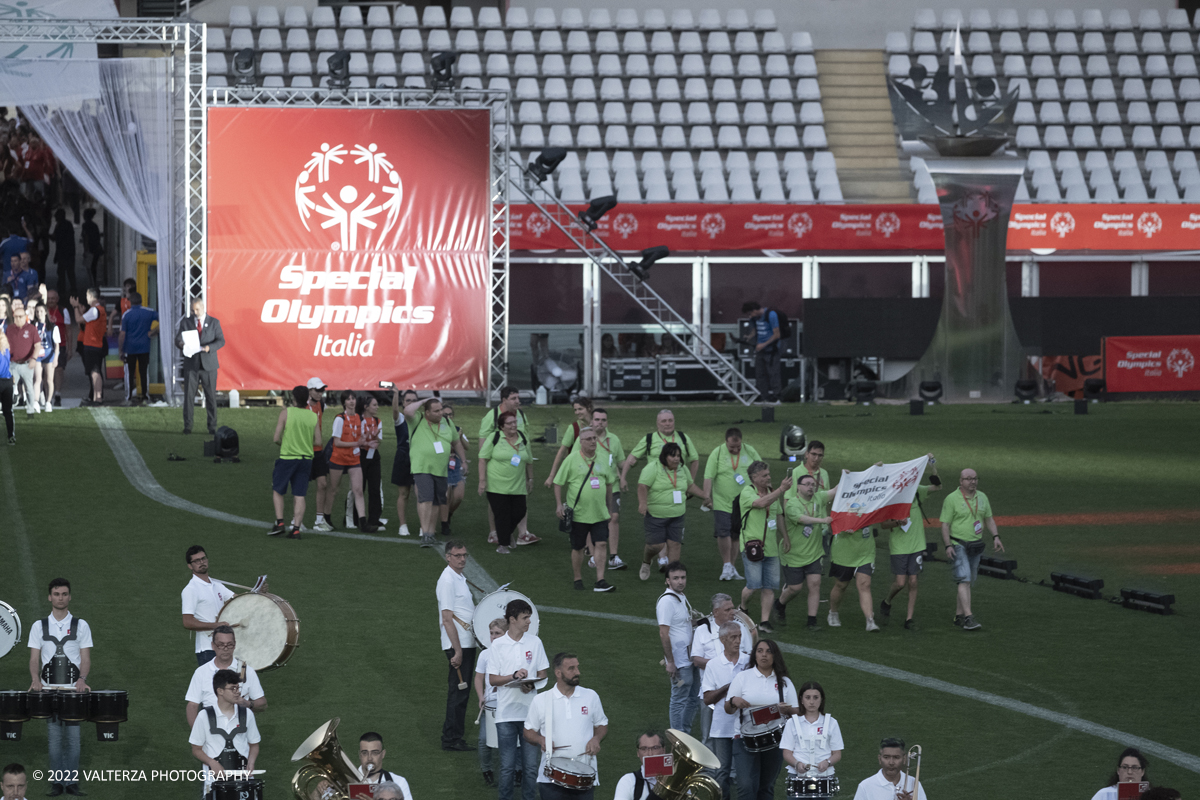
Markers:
point(60, 657)
point(456, 610)
point(200, 692)
point(812, 741)
point(566, 722)
point(225, 737)
point(486, 694)
point(203, 598)
point(718, 675)
point(766, 684)
point(518, 655)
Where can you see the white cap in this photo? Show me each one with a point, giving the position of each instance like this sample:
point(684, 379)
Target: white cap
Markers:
point(316, 383)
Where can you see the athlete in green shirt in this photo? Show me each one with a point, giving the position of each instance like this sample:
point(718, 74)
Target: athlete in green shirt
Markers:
point(664, 433)
point(852, 558)
point(663, 488)
point(608, 445)
point(297, 435)
point(506, 477)
point(965, 513)
point(762, 518)
point(724, 478)
point(585, 484)
point(582, 407)
point(431, 441)
point(510, 400)
point(906, 544)
point(807, 511)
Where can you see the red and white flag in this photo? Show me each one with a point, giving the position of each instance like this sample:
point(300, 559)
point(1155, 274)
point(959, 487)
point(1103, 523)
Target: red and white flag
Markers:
point(876, 494)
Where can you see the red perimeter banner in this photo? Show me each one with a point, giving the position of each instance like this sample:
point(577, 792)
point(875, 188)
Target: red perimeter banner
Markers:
point(752, 226)
point(1151, 363)
point(351, 245)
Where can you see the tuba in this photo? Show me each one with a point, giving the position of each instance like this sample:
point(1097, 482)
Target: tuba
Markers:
point(687, 782)
point(329, 772)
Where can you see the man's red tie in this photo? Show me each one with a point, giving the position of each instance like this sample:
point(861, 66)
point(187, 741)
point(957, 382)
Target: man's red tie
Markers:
point(199, 327)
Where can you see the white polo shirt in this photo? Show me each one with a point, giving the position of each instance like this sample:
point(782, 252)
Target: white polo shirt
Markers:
point(812, 742)
point(213, 744)
point(721, 671)
point(674, 610)
point(878, 787)
point(481, 668)
point(59, 629)
point(706, 642)
point(628, 783)
point(203, 600)
point(383, 776)
point(572, 724)
point(200, 690)
point(759, 690)
point(454, 594)
point(508, 656)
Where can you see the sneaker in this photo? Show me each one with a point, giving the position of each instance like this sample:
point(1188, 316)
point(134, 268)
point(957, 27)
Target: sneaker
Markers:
point(662, 561)
point(48, 407)
point(813, 625)
point(528, 538)
point(910, 625)
point(643, 573)
point(885, 609)
point(969, 623)
point(404, 531)
point(724, 576)
point(615, 562)
point(278, 529)
point(445, 529)
point(579, 586)
point(489, 778)
point(871, 626)
point(603, 586)
point(958, 620)
point(734, 575)
point(325, 527)
point(502, 550)
point(592, 562)
point(493, 538)
point(292, 534)
point(834, 620)
point(426, 540)
point(12, 440)
point(780, 611)
point(765, 627)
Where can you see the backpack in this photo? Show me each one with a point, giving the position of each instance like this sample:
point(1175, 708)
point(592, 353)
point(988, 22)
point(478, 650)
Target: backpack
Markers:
point(496, 438)
point(785, 325)
point(682, 437)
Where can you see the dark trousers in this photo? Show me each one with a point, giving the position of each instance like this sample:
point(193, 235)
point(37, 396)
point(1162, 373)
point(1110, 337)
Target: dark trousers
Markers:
point(6, 403)
point(139, 363)
point(508, 509)
point(66, 277)
point(766, 373)
point(372, 491)
point(205, 656)
point(552, 791)
point(207, 378)
point(455, 726)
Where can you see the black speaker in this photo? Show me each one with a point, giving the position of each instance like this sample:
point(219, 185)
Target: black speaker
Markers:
point(224, 444)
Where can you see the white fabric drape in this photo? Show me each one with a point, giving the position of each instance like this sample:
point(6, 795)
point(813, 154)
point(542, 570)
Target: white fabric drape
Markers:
point(117, 144)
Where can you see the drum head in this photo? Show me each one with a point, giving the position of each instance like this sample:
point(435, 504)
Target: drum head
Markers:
point(262, 629)
point(10, 628)
point(492, 607)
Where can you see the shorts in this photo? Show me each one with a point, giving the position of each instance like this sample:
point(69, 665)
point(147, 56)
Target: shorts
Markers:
point(722, 524)
point(908, 564)
point(965, 567)
point(581, 530)
point(846, 574)
point(660, 530)
point(320, 467)
point(292, 471)
point(430, 488)
point(344, 467)
point(614, 506)
point(401, 473)
point(93, 359)
point(761, 574)
point(796, 576)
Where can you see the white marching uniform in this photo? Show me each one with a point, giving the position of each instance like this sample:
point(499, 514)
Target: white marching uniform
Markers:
point(812, 742)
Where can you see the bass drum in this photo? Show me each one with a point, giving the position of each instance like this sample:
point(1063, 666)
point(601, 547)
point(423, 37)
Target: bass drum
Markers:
point(268, 630)
point(10, 628)
point(492, 607)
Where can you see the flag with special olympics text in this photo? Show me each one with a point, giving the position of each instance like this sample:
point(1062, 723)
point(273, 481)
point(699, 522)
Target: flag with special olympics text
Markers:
point(876, 494)
point(350, 244)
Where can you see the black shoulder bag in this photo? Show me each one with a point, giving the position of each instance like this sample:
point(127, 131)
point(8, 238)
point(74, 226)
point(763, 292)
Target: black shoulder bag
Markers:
point(568, 516)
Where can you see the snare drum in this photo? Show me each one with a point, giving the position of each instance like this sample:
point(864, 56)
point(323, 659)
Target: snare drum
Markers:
point(570, 774)
point(72, 706)
point(812, 787)
point(760, 737)
point(43, 703)
point(251, 789)
point(268, 630)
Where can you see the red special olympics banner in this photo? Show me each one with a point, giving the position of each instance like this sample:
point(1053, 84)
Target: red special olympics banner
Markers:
point(351, 245)
point(753, 226)
point(1151, 363)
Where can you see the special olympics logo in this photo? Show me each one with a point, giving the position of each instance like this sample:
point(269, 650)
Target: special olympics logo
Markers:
point(625, 224)
point(1180, 360)
point(975, 210)
point(712, 224)
point(1149, 223)
point(800, 224)
point(1062, 223)
point(380, 192)
point(909, 476)
point(887, 223)
point(538, 224)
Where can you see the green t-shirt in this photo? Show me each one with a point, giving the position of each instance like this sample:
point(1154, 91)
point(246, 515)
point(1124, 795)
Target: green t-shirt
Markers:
point(506, 464)
point(966, 519)
point(487, 425)
point(663, 483)
point(592, 505)
point(806, 539)
point(569, 438)
point(904, 542)
point(822, 476)
point(656, 445)
point(759, 518)
point(424, 441)
point(853, 548)
point(297, 440)
point(611, 452)
point(728, 474)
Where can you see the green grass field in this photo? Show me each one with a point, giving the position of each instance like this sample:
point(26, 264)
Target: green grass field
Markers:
point(369, 650)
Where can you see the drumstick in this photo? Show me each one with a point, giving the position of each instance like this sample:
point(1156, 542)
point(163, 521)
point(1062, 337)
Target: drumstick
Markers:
point(479, 716)
point(259, 586)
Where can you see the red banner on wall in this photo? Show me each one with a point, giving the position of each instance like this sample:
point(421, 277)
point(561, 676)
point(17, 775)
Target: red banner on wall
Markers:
point(752, 226)
point(351, 245)
point(1151, 363)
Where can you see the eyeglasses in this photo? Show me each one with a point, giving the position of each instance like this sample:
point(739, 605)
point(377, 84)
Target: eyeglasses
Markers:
point(198, 560)
point(228, 646)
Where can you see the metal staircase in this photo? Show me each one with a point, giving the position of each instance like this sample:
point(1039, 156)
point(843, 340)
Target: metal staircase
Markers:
point(615, 267)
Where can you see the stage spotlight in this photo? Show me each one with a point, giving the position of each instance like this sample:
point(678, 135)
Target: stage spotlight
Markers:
point(1088, 588)
point(792, 443)
point(997, 568)
point(597, 209)
point(546, 162)
point(651, 254)
point(1093, 389)
point(243, 67)
point(864, 392)
point(441, 65)
point(930, 391)
point(1026, 391)
point(339, 70)
point(1148, 601)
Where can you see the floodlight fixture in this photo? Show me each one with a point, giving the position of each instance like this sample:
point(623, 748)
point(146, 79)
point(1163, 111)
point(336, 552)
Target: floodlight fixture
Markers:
point(1026, 390)
point(590, 217)
point(792, 443)
point(546, 162)
point(651, 254)
point(930, 391)
point(1088, 588)
point(1148, 601)
point(243, 67)
point(1094, 389)
point(339, 70)
point(864, 392)
point(441, 65)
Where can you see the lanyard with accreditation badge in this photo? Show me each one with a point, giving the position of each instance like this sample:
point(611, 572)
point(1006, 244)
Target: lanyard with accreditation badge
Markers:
point(974, 511)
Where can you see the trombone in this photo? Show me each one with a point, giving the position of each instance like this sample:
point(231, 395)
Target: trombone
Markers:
point(915, 750)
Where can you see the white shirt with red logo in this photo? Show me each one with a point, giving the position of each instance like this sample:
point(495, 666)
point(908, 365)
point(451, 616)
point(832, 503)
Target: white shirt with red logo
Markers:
point(759, 690)
point(571, 721)
point(508, 656)
point(812, 742)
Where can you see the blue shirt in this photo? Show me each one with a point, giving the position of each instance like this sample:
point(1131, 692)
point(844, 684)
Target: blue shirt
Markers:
point(136, 324)
point(24, 284)
point(765, 325)
point(12, 246)
point(5, 363)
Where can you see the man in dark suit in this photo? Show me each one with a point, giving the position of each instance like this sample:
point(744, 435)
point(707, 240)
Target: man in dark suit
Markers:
point(201, 367)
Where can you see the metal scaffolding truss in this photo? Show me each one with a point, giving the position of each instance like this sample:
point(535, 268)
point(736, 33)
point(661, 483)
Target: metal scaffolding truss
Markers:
point(496, 102)
point(607, 259)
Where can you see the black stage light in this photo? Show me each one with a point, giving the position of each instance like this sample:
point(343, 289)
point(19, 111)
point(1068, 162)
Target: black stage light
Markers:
point(1026, 390)
point(546, 162)
point(1093, 389)
point(243, 67)
point(1148, 601)
point(792, 443)
point(441, 65)
point(864, 392)
point(651, 254)
point(597, 209)
point(997, 568)
point(1088, 588)
point(339, 70)
point(930, 391)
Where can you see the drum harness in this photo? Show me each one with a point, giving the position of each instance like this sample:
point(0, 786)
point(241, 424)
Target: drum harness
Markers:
point(61, 670)
point(229, 757)
point(811, 744)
